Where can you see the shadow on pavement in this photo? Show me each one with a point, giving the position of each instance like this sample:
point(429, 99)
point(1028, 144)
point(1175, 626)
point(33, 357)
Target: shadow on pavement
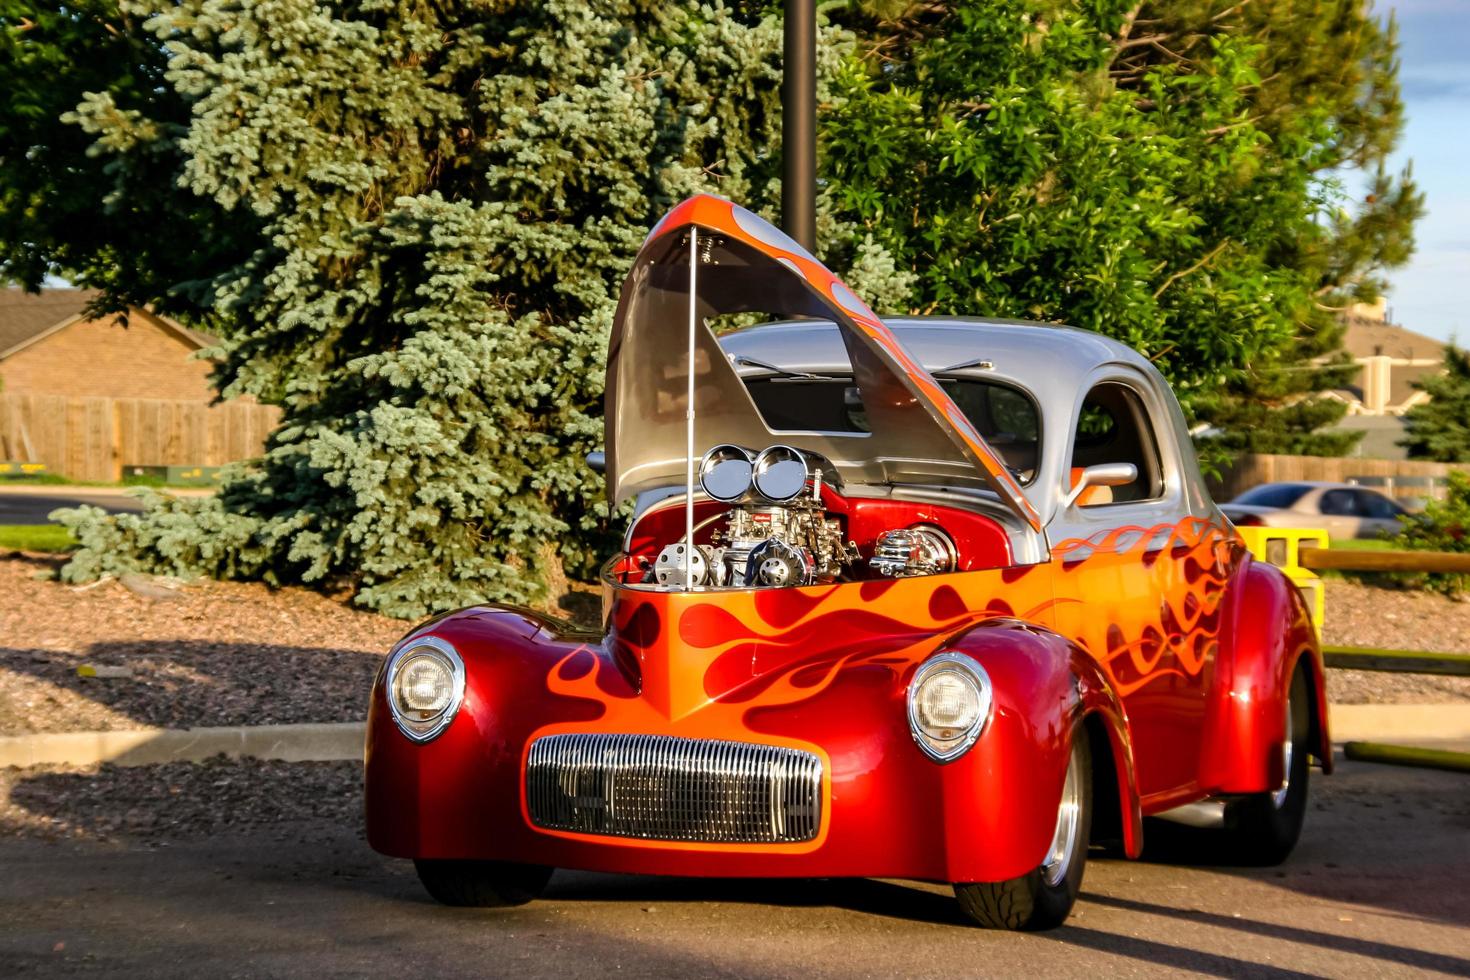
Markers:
point(870, 896)
point(1387, 952)
point(189, 683)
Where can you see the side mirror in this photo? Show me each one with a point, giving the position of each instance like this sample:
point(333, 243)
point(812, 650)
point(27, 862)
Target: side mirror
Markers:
point(1101, 475)
point(597, 462)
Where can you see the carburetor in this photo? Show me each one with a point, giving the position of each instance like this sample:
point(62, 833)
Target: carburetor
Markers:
point(778, 534)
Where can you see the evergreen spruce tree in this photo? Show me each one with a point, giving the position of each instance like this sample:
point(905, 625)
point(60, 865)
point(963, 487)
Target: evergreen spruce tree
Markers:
point(448, 198)
point(1439, 429)
point(411, 222)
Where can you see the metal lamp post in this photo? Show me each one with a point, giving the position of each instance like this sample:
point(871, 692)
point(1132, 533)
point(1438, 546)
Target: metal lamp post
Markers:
point(799, 124)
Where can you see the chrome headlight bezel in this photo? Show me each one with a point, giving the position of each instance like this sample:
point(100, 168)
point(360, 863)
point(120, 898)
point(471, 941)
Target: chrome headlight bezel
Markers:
point(969, 671)
point(425, 729)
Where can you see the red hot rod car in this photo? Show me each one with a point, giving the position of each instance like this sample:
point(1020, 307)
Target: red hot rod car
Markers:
point(940, 599)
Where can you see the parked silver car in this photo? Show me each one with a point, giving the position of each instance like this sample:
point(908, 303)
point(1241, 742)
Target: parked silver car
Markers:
point(1343, 510)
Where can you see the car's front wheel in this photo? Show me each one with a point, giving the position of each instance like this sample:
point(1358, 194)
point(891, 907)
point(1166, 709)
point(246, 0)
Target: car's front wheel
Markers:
point(1043, 897)
point(482, 883)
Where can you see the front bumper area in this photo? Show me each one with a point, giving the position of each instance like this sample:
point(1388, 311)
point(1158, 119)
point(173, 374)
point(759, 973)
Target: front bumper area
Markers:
point(886, 810)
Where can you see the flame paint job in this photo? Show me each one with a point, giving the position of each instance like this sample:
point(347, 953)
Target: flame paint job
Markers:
point(1167, 644)
point(1194, 637)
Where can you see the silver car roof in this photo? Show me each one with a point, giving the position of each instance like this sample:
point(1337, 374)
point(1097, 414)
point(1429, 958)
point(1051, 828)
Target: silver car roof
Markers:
point(1044, 358)
point(1056, 364)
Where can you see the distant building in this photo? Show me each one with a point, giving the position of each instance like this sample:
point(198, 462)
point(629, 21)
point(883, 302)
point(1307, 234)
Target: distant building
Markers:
point(48, 346)
point(1391, 359)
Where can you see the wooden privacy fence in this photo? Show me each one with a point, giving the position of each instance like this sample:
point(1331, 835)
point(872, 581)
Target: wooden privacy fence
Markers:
point(1397, 477)
point(94, 438)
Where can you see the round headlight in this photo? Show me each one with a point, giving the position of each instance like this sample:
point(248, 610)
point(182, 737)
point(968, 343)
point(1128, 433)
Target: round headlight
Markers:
point(949, 705)
point(425, 687)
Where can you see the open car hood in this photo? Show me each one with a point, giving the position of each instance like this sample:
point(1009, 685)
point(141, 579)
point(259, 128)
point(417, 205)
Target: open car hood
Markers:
point(746, 265)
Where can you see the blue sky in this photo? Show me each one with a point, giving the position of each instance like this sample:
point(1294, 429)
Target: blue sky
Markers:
point(1431, 295)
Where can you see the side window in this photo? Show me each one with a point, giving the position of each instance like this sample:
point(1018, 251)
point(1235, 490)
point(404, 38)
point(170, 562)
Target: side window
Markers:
point(1114, 428)
point(1376, 505)
point(1339, 503)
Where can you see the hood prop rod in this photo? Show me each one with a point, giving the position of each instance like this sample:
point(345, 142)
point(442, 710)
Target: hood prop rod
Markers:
point(689, 416)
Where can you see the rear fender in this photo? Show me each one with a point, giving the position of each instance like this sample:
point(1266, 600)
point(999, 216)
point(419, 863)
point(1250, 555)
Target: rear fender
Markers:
point(1268, 631)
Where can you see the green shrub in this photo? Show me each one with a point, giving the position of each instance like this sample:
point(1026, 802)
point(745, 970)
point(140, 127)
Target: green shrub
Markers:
point(1444, 526)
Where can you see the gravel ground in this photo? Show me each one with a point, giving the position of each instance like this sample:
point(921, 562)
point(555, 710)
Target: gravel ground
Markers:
point(212, 653)
point(180, 800)
point(222, 653)
point(1369, 616)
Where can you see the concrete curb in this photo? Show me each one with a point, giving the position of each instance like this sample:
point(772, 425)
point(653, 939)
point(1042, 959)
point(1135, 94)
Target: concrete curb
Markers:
point(1377, 722)
point(344, 741)
point(149, 746)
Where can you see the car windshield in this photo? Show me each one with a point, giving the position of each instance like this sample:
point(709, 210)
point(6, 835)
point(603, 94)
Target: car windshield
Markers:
point(1005, 416)
point(1273, 495)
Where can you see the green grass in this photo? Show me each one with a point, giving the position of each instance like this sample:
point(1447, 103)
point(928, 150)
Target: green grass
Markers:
point(1363, 544)
point(131, 480)
point(34, 480)
point(36, 537)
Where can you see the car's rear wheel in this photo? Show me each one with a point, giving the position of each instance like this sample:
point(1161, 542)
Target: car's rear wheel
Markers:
point(482, 883)
point(1043, 897)
point(1263, 828)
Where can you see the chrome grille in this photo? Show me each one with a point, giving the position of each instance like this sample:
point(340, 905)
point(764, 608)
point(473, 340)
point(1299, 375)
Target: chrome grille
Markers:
point(663, 788)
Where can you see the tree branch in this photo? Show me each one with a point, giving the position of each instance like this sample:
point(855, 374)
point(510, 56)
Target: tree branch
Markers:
point(1175, 277)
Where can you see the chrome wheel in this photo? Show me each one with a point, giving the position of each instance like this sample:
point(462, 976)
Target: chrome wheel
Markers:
point(1278, 797)
point(1064, 839)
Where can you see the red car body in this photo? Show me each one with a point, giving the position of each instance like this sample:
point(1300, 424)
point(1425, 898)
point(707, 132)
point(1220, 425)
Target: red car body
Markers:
point(1164, 645)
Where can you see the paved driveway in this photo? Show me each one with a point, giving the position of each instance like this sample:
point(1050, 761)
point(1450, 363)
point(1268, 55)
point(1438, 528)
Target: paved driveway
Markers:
point(24, 505)
point(1378, 887)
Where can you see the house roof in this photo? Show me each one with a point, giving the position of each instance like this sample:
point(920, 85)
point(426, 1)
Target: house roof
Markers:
point(1401, 382)
point(27, 317)
point(24, 316)
point(1368, 338)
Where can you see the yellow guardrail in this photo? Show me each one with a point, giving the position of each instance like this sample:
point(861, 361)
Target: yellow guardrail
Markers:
point(1282, 546)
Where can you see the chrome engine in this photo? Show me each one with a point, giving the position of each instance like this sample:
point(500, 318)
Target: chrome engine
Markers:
point(790, 544)
point(779, 534)
point(908, 551)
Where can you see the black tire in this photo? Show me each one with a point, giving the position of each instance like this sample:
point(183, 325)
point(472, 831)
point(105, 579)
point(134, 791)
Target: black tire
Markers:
point(1032, 901)
point(1263, 828)
point(482, 884)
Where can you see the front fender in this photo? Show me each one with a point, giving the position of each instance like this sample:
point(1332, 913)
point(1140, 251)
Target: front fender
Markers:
point(1267, 633)
point(411, 791)
point(1045, 688)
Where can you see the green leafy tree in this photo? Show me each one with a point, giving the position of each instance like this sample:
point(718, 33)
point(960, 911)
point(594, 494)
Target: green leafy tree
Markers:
point(1439, 429)
point(447, 198)
point(1444, 526)
point(1158, 171)
point(67, 207)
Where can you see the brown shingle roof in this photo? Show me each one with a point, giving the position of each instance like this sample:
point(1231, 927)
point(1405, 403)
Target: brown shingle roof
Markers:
point(25, 316)
point(1401, 385)
point(1367, 338)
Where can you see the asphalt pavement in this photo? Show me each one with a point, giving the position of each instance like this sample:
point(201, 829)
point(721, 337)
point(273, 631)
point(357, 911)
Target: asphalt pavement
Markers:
point(33, 505)
point(1377, 887)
